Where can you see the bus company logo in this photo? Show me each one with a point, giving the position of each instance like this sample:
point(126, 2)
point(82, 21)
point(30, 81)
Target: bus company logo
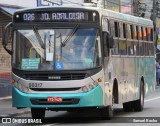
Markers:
point(54, 77)
point(6, 120)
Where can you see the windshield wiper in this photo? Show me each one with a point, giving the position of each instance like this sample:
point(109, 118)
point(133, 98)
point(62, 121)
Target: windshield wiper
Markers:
point(69, 36)
point(38, 37)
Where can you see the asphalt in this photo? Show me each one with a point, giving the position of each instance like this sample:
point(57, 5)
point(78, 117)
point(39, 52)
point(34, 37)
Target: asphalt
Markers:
point(6, 109)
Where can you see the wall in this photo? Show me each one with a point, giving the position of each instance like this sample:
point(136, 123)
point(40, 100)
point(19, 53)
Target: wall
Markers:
point(5, 61)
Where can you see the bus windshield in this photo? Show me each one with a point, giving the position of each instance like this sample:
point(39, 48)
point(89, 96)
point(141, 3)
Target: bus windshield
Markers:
point(57, 49)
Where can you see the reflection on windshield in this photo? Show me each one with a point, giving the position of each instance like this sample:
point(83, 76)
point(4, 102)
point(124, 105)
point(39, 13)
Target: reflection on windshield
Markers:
point(81, 51)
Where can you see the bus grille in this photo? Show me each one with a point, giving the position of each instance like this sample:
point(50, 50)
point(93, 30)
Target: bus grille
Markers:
point(55, 77)
point(55, 89)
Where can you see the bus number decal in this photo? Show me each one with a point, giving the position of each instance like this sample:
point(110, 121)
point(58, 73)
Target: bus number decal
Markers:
point(29, 17)
point(35, 85)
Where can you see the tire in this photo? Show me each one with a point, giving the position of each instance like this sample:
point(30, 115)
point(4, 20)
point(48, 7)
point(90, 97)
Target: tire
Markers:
point(128, 106)
point(108, 112)
point(38, 113)
point(139, 104)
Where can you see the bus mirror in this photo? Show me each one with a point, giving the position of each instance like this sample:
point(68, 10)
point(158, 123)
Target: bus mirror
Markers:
point(106, 43)
point(111, 41)
point(6, 35)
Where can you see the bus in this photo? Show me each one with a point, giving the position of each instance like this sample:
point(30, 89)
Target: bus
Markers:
point(70, 58)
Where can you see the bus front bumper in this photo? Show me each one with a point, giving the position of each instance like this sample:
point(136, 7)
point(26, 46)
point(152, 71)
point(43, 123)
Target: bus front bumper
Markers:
point(93, 98)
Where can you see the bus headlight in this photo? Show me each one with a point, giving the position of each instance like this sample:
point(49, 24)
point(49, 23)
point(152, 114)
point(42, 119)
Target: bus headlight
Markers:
point(21, 87)
point(89, 87)
point(84, 89)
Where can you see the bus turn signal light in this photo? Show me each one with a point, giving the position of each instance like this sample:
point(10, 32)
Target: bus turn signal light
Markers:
point(13, 81)
point(99, 80)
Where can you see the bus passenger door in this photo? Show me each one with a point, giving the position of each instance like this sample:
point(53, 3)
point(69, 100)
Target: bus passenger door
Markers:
point(123, 76)
point(107, 62)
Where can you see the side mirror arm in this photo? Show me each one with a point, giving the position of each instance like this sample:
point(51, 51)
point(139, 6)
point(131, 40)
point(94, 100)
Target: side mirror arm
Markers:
point(111, 41)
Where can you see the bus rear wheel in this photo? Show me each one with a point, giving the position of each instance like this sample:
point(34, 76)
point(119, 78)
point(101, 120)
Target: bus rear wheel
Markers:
point(38, 113)
point(128, 106)
point(139, 104)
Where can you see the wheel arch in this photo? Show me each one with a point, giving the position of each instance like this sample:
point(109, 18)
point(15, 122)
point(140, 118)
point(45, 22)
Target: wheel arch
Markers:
point(115, 91)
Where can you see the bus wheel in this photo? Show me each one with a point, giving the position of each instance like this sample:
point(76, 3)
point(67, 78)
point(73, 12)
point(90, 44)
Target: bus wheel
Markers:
point(128, 106)
point(38, 113)
point(139, 104)
point(107, 112)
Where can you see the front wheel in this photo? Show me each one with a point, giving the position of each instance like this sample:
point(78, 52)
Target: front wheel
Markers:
point(38, 113)
point(108, 112)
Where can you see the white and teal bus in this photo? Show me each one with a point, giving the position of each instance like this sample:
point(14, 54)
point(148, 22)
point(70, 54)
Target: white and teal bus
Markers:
point(71, 58)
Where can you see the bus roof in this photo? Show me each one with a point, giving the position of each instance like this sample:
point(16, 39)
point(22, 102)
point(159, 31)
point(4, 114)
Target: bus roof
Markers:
point(126, 17)
point(103, 12)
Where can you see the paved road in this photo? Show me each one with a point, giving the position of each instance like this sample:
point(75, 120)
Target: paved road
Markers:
point(151, 112)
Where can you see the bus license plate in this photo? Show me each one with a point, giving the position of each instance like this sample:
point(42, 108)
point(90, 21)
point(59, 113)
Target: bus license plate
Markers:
point(54, 99)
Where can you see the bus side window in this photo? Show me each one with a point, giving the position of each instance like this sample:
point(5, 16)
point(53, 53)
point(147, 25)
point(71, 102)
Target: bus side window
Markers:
point(151, 34)
point(121, 33)
point(114, 32)
point(116, 29)
point(122, 42)
point(140, 33)
point(134, 32)
point(131, 29)
point(147, 35)
point(141, 48)
point(128, 31)
point(137, 33)
point(130, 48)
point(122, 47)
point(115, 50)
point(136, 48)
point(147, 49)
point(124, 30)
point(112, 27)
point(151, 49)
point(144, 34)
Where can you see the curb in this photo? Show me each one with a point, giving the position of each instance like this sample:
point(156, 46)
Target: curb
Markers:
point(4, 98)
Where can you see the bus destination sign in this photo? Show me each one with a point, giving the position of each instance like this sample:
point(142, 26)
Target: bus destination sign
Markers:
point(54, 16)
